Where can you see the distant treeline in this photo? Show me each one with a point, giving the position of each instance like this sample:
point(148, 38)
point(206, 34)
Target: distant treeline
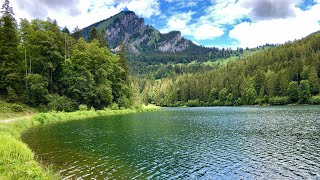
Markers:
point(280, 75)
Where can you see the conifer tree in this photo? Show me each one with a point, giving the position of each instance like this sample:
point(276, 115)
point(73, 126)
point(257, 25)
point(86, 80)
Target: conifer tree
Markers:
point(93, 34)
point(9, 62)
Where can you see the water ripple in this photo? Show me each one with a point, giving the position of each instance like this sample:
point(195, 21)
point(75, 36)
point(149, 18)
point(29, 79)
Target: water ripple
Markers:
point(189, 143)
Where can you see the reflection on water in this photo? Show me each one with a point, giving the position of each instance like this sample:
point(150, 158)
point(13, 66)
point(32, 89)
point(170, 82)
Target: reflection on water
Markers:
point(187, 143)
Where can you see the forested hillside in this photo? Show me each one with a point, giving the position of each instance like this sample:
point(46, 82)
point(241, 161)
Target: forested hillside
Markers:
point(279, 75)
point(44, 66)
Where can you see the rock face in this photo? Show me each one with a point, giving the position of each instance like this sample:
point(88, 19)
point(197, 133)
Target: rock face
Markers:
point(138, 38)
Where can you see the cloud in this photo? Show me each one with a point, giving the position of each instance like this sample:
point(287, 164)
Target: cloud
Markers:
point(40, 8)
point(182, 22)
point(277, 30)
point(271, 9)
point(179, 22)
point(144, 8)
point(224, 12)
point(82, 13)
point(207, 31)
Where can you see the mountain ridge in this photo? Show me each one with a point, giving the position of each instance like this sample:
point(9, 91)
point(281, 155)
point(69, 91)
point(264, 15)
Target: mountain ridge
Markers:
point(142, 39)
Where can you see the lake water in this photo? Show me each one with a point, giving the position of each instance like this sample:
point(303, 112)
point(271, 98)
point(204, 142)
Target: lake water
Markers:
point(186, 143)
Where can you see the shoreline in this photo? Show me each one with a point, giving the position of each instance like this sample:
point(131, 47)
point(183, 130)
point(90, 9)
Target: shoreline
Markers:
point(18, 161)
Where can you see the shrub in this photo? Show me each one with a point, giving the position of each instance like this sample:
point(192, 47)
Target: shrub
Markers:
point(114, 106)
point(16, 108)
point(83, 107)
point(60, 103)
point(279, 100)
point(12, 96)
point(314, 100)
point(193, 103)
point(262, 101)
point(239, 102)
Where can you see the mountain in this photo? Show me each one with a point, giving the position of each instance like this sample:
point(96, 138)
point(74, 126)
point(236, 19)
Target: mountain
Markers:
point(145, 43)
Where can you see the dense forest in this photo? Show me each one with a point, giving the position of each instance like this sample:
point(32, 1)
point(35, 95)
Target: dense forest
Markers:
point(44, 66)
point(280, 75)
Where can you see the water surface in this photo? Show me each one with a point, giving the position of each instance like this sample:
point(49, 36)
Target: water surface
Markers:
point(186, 143)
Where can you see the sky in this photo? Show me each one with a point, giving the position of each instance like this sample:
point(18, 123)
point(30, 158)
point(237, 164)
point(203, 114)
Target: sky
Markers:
point(210, 23)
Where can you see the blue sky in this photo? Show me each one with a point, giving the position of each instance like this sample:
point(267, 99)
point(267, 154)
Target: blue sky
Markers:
point(218, 23)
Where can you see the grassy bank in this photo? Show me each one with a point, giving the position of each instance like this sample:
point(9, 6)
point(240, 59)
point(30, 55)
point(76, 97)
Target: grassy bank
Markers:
point(17, 161)
point(14, 110)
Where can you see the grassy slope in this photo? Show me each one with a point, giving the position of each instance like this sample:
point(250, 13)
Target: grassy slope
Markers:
point(14, 110)
point(17, 161)
point(246, 53)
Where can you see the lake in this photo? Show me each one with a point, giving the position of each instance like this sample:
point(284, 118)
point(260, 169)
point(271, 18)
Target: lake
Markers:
point(186, 143)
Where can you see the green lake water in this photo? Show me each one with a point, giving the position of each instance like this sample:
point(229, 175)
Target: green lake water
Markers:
point(186, 143)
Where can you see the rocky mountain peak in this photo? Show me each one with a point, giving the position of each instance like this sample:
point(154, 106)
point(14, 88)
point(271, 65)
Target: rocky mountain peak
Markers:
point(139, 38)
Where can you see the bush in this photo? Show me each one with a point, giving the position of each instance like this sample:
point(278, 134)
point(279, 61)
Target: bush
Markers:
point(83, 107)
point(193, 103)
point(262, 101)
point(16, 108)
point(114, 106)
point(314, 100)
point(239, 102)
point(124, 102)
point(12, 96)
point(60, 103)
point(279, 100)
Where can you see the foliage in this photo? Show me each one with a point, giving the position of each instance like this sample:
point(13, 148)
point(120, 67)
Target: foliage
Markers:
point(304, 93)
point(12, 95)
point(315, 99)
point(60, 103)
point(293, 91)
point(9, 61)
point(7, 108)
point(279, 100)
point(83, 107)
point(114, 106)
point(39, 62)
point(37, 89)
point(193, 103)
point(283, 71)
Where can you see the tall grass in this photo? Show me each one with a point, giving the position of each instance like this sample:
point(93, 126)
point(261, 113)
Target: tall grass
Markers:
point(17, 161)
point(12, 110)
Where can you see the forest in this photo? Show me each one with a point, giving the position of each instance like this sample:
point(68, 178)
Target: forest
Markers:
point(50, 68)
point(286, 74)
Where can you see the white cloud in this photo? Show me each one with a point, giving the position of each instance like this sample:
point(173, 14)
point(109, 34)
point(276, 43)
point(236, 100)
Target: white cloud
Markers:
point(90, 11)
point(145, 8)
point(179, 22)
point(223, 12)
point(182, 22)
point(207, 31)
point(278, 30)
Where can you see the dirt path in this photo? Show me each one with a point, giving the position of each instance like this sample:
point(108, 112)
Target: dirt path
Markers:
point(15, 119)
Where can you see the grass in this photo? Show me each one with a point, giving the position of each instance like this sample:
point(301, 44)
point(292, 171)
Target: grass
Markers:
point(14, 110)
point(223, 62)
point(17, 161)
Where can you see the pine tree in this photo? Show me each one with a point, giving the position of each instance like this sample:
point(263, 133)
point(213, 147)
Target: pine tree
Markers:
point(77, 33)
point(93, 34)
point(123, 63)
point(9, 62)
point(103, 40)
